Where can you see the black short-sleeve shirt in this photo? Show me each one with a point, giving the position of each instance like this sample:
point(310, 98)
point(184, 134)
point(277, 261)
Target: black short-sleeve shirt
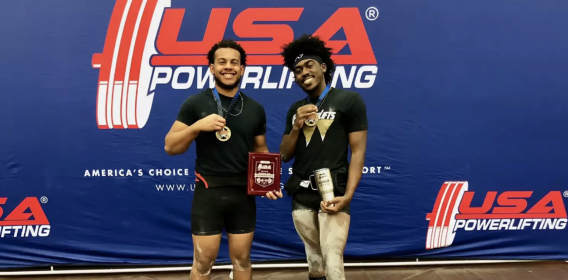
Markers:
point(326, 145)
point(246, 120)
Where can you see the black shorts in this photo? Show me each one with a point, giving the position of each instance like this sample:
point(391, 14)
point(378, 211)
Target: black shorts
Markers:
point(222, 207)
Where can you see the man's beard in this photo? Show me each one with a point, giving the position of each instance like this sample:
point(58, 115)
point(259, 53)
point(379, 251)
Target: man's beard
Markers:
point(225, 86)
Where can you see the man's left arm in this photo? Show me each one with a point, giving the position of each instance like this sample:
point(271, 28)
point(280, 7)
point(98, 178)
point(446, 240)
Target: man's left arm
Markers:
point(261, 147)
point(260, 144)
point(357, 129)
point(358, 143)
point(260, 135)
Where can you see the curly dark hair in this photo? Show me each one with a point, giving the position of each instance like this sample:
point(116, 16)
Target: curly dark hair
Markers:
point(309, 45)
point(228, 43)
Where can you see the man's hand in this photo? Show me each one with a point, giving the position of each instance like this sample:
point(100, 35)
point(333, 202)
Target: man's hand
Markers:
point(335, 205)
point(212, 122)
point(303, 113)
point(274, 195)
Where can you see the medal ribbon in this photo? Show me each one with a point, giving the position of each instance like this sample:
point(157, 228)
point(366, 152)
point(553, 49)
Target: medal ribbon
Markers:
point(220, 106)
point(321, 97)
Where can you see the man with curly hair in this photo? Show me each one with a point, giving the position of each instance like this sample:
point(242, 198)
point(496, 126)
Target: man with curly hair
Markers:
point(225, 124)
point(319, 131)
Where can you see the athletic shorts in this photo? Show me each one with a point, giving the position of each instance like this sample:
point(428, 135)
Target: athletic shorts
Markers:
point(308, 199)
point(222, 207)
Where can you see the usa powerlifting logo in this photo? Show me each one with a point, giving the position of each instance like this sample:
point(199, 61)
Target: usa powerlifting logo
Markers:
point(24, 218)
point(508, 210)
point(142, 51)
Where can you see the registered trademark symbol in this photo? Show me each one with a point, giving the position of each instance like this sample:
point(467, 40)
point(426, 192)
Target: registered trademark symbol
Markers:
point(565, 193)
point(372, 13)
point(44, 199)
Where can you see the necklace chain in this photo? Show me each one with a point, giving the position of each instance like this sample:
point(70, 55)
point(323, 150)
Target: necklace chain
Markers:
point(242, 106)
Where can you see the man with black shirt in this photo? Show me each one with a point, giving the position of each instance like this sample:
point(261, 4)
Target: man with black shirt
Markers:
point(319, 131)
point(226, 125)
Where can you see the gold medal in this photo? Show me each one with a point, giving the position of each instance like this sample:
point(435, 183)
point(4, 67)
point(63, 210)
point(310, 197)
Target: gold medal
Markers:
point(224, 134)
point(312, 120)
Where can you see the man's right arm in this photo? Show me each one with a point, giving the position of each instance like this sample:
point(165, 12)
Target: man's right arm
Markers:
point(180, 137)
point(292, 131)
point(184, 130)
point(288, 145)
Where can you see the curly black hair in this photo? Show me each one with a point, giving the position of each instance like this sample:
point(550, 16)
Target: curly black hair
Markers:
point(309, 45)
point(227, 43)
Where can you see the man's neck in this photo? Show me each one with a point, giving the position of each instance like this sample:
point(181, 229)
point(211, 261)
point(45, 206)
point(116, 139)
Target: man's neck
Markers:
point(318, 90)
point(227, 92)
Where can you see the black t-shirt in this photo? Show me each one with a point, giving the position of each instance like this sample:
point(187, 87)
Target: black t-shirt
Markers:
point(246, 120)
point(326, 145)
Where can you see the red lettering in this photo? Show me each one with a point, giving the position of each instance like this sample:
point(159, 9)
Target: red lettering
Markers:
point(2, 201)
point(246, 25)
point(280, 34)
point(511, 205)
point(465, 205)
point(356, 36)
point(555, 198)
point(167, 42)
point(507, 199)
point(18, 216)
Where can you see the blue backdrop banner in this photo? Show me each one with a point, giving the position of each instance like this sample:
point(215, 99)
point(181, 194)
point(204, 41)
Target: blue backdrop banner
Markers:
point(467, 150)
